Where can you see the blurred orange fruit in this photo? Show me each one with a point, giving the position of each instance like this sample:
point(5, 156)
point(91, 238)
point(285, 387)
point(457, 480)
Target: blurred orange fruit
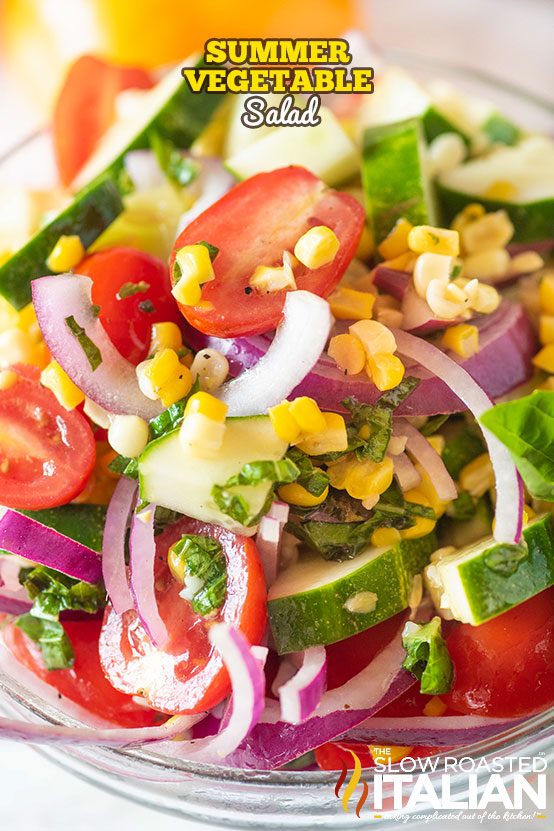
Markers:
point(41, 37)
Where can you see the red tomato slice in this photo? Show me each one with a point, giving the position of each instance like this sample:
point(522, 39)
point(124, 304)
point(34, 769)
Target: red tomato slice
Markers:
point(253, 225)
point(337, 755)
point(46, 452)
point(86, 108)
point(85, 683)
point(505, 667)
point(188, 675)
point(128, 320)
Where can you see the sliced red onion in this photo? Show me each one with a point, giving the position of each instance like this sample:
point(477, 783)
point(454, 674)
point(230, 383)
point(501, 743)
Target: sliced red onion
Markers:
point(406, 474)
point(509, 493)
point(418, 317)
point(212, 183)
point(298, 343)
point(285, 671)
point(279, 511)
point(13, 605)
point(301, 695)
point(113, 385)
point(142, 555)
point(428, 458)
point(432, 731)
point(268, 542)
point(21, 535)
point(391, 281)
point(114, 569)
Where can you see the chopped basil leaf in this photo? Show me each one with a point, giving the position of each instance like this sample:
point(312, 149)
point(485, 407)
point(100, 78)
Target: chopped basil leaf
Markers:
point(433, 424)
point(124, 466)
point(203, 559)
point(526, 428)
point(129, 289)
point(213, 251)
point(252, 473)
point(93, 354)
point(147, 306)
point(460, 450)
point(427, 657)
point(172, 417)
point(233, 505)
point(175, 165)
point(95, 309)
point(309, 477)
point(463, 507)
point(51, 638)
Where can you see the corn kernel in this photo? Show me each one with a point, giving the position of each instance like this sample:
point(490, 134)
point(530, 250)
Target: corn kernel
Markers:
point(192, 268)
point(526, 263)
point(502, 190)
point(166, 335)
point(283, 422)
point(391, 318)
point(405, 262)
point(435, 707)
point(385, 537)
point(97, 414)
point(41, 356)
point(177, 389)
point(9, 316)
point(462, 339)
point(437, 442)
point(145, 384)
point(546, 294)
point(128, 435)
point(54, 378)
point(396, 241)
point(211, 368)
point(207, 405)
point(200, 433)
point(392, 754)
point(337, 471)
point(349, 304)
point(447, 300)
point(66, 254)
point(427, 487)
point(16, 347)
point(366, 245)
point(546, 329)
point(477, 477)
point(422, 525)
point(295, 494)
point(483, 299)
point(29, 323)
point(367, 478)
point(307, 415)
point(348, 353)
point(493, 230)
point(446, 152)
point(385, 370)
point(332, 439)
point(317, 247)
point(176, 564)
point(545, 358)
point(373, 336)
point(430, 266)
point(272, 278)
point(8, 379)
point(469, 214)
point(492, 263)
point(423, 238)
point(548, 386)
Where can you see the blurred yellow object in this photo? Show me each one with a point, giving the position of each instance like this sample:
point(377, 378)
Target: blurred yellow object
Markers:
point(39, 34)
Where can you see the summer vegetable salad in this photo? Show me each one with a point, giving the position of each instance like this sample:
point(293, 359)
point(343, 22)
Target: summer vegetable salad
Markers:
point(258, 496)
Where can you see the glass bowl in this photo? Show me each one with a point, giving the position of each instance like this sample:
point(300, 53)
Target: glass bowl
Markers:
point(245, 798)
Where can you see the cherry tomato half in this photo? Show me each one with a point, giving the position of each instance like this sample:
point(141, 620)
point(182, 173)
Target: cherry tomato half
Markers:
point(337, 755)
point(188, 675)
point(128, 320)
point(253, 225)
point(46, 453)
point(85, 683)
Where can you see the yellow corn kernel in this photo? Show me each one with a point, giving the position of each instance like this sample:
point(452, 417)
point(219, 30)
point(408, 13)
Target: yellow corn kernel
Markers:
point(526, 263)
point(273, 278)
point(192, 268)
point(317, 247)
point(307, 415)
point(163, 368)
point(437, 442)
point(396, 241)
point(207, 405)
point(477, 476)
point(385, 370)
point(283, 422)
point(8, 379)
point(54, 378)
point(385, 537)
point(201, 434)
point(493, 230)
point(545, 358)
point(176, 564)
point(430, 266)
point(9, 316)
point(546, 294)
point(427, 487)
point(405, 262)
point(332, 439)
point(373, 336)
point(367, 478)
point(546, 329)
point(482, 298)
point(366, 245)
point(166, 335)
point(41, 355)
point(295, 494)
point(492, 263)
point(435, 707)
point(338, 470)
point(210, 367)
point(66, 254)
point(462, 339)
point(349, 304)
point(422, 525)
point(348, 353)
point(424, 238)
point(29, 323)
point(446, 300)
point(547, 385)
point(502, 190)
point(128, 435)
point(469, 214)
point(16, 347)
point(392, 753)
point(177, 389)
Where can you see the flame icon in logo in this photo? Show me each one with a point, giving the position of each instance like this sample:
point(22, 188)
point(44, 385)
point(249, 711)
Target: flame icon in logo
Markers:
point(352, 784)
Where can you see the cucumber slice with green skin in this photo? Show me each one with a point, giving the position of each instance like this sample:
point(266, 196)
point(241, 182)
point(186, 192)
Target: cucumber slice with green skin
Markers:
point(83, 523)
point(528, 167)
point(325, 150)
point(90, 213)
point(173, 477)
point(487, 578)
point(316, 601)
point(393, 176)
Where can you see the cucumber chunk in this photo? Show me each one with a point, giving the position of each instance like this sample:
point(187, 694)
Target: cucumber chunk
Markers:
point(173, 477)
point(394, 178)
point(316, 601)
point(487, 578)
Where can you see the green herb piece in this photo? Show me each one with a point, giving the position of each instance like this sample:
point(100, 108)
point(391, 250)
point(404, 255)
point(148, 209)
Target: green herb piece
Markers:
point(309, 477)
point(433, 424)
point(172, 417)
point(505, 558)
point(93, 354)
point(526, 428)
point(460, 450)
point(203, 558)
point(51, 638)
point(233, 505)
point(176, 166)
point(129, 289)
point(463, 507)
point(95, 309)
point(455, 271)
point(213, 250)
point(427, 657)
point(124, 466)
point(252, 474)
point(147, 306)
